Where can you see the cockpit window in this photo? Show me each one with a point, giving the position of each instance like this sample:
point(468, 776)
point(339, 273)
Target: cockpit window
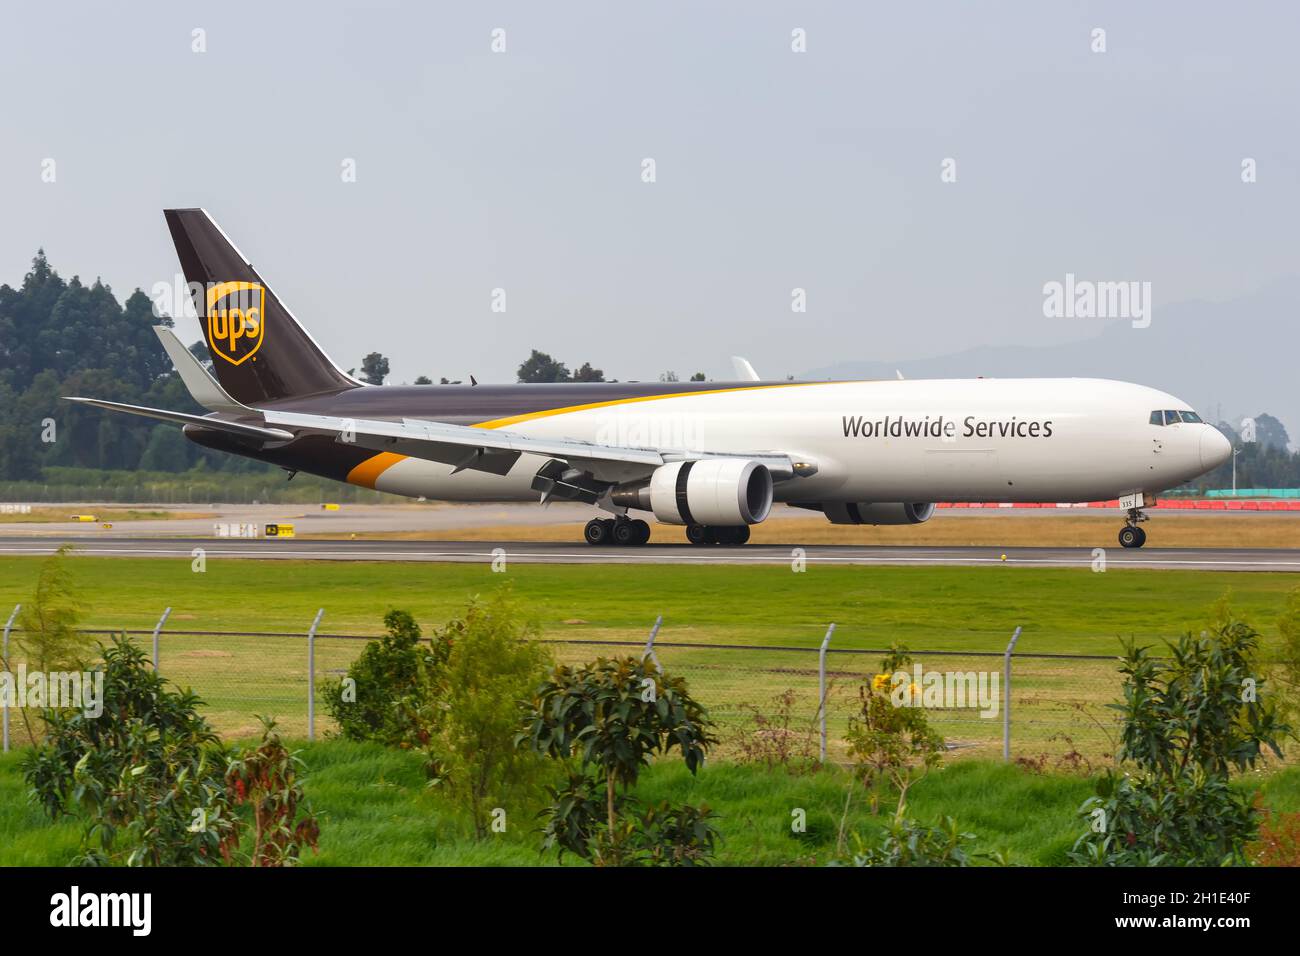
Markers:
point(1173, 417)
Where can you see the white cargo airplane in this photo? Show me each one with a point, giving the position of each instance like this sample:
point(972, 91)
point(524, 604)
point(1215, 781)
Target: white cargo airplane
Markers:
point(711, 457)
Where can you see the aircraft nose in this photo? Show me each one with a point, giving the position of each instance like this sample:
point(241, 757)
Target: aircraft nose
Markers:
point(1215, 448)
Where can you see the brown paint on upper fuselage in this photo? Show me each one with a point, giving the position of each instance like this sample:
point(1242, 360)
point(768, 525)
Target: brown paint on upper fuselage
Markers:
point(474, 404)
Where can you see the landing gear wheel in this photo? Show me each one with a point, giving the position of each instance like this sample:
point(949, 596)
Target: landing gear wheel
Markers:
point(642, 530)
point(624, 533)
point(697, 534)
point(1131, 536)
point(598, 531)
point(732, 535)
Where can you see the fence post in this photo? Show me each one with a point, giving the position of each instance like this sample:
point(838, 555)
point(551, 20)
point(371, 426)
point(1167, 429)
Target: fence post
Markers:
point(158, 627)
point(821, 690)
point(1006, 697)
point(9, 624)
point(650, 645)
point(311, 676)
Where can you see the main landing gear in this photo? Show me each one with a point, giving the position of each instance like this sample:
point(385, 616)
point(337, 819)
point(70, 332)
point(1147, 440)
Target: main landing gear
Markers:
point(704, 534)
point(633, 531)
point(1132, 535)
point(621, 530)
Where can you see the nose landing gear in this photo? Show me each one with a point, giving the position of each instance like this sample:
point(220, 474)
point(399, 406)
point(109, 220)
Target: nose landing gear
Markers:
point(1132, 535)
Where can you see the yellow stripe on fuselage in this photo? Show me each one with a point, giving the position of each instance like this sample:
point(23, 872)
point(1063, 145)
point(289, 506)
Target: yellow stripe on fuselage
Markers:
point(368, 472)
point(546, 413)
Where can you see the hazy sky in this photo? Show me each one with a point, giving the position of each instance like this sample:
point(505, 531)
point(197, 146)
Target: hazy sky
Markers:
point(774, 169)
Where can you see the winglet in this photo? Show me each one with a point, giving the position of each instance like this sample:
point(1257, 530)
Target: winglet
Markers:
point(202, 387)
point(744, 371)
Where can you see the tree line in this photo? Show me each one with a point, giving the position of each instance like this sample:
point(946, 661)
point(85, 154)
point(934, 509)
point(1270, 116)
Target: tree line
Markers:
point(63, 337)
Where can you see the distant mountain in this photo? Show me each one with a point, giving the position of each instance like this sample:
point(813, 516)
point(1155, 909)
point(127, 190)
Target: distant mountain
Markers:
point(1242, 356)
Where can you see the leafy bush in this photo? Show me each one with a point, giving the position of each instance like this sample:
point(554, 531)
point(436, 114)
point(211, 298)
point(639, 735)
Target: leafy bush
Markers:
point(493, 666)
point(905, 842)
point(146, 776)
point(269, 779)
point(393, 691)
point(611, 716)
point(1190, 720)
point(892, 746)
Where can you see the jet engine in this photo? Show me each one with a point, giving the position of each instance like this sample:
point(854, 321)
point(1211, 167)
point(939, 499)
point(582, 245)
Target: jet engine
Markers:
point(878, 512)
point(714, 492)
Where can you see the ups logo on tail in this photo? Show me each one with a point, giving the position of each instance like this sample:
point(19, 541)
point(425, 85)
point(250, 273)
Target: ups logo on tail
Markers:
point(235, 328)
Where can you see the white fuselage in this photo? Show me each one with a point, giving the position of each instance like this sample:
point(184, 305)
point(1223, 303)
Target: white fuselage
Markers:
point(1041, 440)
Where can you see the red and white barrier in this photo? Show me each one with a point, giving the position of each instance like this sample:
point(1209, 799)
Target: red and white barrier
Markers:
point(1169, 504)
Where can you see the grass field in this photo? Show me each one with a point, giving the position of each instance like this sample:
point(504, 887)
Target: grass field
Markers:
point(1033, 528)
point(377, 811)
point(961, 609)
point(49, 514)
point(967, 612)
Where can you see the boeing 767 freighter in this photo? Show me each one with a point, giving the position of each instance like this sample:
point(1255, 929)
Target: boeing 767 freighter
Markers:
point(711, 457)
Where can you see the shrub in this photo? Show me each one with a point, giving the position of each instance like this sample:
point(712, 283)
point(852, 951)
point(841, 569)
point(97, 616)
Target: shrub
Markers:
point(48, 638)
point(891, 745)
point(268, 778)
point(1190, 720)
point(772, 736)
point(905, 842)
point(1278, 842)
point(611, 716)
point(393, 691)
point(493, 667)
point(145, 776)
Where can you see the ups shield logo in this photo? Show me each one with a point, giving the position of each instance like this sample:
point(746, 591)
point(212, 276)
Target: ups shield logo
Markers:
point(235, 327)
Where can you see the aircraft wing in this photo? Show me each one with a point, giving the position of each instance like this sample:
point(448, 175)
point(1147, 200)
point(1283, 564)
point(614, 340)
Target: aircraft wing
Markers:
point(241, 429)
point(496, 450)
point(578, 470)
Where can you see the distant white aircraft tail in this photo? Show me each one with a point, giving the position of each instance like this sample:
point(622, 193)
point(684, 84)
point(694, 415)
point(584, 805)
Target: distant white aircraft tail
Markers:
point(744, 371)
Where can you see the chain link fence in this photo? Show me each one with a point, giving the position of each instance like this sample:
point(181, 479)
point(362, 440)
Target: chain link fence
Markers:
point(757, 694)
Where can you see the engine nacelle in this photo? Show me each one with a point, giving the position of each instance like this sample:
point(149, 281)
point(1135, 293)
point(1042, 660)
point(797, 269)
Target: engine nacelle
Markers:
point(719, 492)
point(878, 512)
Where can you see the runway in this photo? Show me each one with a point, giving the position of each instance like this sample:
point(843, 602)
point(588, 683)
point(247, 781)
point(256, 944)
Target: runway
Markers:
point(531, 552)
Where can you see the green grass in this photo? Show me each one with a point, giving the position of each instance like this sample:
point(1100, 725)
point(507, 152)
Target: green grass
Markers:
point(1056, 704)
point(376, 810)
point(968, 609)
